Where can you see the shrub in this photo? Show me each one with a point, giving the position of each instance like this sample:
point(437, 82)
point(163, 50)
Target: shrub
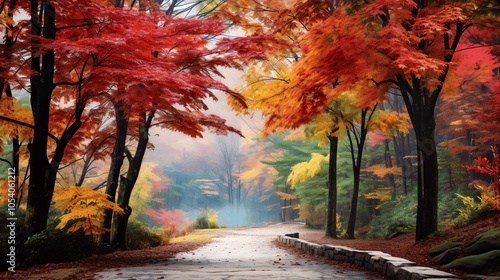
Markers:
point(173, 223)
point(207, 219)
point(20, 238)
point(314, 217)
point(53, 246)
point(141, 237)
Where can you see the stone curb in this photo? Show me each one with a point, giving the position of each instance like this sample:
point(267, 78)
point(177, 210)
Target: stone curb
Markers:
point(385, 264)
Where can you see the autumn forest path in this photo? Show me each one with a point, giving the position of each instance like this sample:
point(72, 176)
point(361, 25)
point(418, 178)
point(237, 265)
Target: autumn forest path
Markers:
point(238, 254)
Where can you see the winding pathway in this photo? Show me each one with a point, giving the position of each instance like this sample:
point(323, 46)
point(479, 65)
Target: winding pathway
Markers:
point(239, 254)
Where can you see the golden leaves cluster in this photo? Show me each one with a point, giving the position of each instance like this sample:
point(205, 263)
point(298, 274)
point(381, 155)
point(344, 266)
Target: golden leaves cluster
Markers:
point(83, 209)
point(308, 169)
point(12, 108)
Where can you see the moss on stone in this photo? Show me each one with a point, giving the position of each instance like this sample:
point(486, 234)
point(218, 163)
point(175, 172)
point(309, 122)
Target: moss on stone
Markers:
point(443, 247)
point(483, 263)
point(484, 242)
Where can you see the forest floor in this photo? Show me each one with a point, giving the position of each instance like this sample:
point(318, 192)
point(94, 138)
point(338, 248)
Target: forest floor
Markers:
point(403, 246)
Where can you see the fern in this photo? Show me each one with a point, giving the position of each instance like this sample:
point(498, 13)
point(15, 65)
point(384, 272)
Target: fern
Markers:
point(83, 206)
point(472, 208)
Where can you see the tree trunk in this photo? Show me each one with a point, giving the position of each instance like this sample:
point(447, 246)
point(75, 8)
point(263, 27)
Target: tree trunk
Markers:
point(428, 181)
point(389, 177)
point(42, 85)
point(120, 222)
point(354, 203)
point(399, 149)
point(114, 170)
point(331, 219)
point(360, 138)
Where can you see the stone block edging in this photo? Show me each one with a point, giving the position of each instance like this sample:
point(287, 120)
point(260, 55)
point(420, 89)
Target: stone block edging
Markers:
point(385, 264)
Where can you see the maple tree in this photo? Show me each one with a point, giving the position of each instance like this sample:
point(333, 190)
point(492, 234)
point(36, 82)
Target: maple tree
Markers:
point(94, 53)
point(411, 38)
point(193, 66)
point(269, 80)
point(405, 44)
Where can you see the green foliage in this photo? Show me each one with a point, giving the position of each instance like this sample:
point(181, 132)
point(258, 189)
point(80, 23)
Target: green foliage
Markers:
point(207, 219)
point(451, 170)
point(294, 152)
point(141, 237)
point(54, 245)
point(395, 217)
point(473, 209)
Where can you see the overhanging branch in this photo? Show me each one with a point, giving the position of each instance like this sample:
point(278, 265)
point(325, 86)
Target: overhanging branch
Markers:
point(30, 126)
point(384, 82)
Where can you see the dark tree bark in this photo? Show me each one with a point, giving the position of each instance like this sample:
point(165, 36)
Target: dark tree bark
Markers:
point(420, 103)
point(127, 183)
point(43, 170)
point(356, 157)
point(117, 157)
point(39, 193)
point(388, 163)
point(331, 221)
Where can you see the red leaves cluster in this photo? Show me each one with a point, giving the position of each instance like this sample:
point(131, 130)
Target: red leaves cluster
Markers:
point(146, 61)
point(491, 168)
point(171, 220)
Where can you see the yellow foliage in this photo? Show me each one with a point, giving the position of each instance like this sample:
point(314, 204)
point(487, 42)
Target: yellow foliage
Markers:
point(287, 196)
point(211, 215)
point(473, 207)
point(324, 126)
point(313, 216)
point(142, 195)
point(12, 108)
point(308, 169)
point(259, 169)
point(390, 122)
point(380, 170)
point(461, 122)
point(382, 194)
point(5, 19)
point(213, 219)
point(85, 206)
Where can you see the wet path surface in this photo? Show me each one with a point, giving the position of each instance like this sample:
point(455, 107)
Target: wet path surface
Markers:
point(239, 254)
